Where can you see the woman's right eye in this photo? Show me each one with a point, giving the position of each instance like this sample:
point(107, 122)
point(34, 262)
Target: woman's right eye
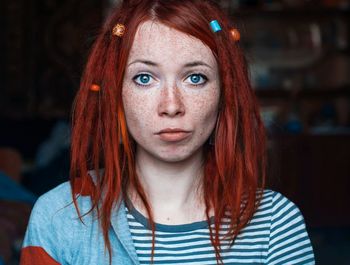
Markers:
point(142, 79)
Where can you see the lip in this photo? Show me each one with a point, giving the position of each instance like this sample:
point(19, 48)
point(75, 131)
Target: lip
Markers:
point(173, 134)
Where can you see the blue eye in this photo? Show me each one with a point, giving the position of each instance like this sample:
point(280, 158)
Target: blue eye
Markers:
point(142, 79)
point(198, 79)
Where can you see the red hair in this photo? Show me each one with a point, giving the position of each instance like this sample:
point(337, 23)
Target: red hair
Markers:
point(234, 169)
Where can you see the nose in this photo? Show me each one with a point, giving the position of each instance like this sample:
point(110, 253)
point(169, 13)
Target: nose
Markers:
point(171, 102)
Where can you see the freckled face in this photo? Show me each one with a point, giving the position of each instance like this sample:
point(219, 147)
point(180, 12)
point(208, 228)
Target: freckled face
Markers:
point(170, 92)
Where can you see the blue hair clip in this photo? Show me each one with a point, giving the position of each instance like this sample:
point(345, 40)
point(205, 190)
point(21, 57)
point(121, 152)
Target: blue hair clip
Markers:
point(215, 26)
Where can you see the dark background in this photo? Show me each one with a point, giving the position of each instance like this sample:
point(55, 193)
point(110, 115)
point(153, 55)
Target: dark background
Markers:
point(298, 53)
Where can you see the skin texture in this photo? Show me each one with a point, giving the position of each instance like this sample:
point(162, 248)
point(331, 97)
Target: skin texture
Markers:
point(172, 96)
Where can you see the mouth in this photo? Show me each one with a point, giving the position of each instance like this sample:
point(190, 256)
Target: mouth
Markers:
point(173, 134)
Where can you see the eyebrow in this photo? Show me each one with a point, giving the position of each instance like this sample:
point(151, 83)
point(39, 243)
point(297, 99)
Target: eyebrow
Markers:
point(187, 65)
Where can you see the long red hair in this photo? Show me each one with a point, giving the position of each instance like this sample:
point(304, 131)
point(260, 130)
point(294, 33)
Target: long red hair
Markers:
point(234, 168)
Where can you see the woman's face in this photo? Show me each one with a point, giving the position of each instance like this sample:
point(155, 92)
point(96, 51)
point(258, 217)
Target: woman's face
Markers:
point(170, 92)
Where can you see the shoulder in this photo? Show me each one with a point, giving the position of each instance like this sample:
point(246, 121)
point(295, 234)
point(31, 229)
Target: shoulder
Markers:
point(274, 203)
point(276, 211)
point(289, 242)
point(283, 214)
point(58, 196)
point(47, 215)
point(281, 209)
point(56, 208)
point(56, 203)
point(54, 223)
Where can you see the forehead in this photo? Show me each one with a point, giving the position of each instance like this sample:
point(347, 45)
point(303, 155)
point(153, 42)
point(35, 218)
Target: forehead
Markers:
point(160, 43)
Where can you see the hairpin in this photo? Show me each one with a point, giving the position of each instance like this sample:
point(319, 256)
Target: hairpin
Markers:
point(95, 88)
point(236, 36)
point(215, 26)
point(118, 30)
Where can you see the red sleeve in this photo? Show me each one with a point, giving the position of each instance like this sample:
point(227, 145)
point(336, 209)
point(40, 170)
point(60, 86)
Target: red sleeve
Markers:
point(36, 256)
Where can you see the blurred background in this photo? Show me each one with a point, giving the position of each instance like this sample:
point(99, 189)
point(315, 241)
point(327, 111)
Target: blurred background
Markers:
point(299, 62)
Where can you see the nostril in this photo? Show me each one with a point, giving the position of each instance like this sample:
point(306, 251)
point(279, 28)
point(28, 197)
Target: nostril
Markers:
point(172, 113)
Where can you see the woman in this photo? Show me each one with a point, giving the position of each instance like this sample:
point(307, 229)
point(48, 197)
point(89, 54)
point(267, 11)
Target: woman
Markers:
point(168, 152)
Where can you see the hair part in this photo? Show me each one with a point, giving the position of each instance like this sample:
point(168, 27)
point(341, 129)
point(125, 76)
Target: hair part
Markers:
point(234, 168)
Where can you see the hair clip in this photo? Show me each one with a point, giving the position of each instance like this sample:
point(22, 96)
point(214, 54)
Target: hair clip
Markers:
point(95, 88)
point(215, 26)
point(236, 36)
point(118, 30)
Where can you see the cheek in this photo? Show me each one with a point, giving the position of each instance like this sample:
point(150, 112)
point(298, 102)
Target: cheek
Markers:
point(137, 110)
point(205, 108)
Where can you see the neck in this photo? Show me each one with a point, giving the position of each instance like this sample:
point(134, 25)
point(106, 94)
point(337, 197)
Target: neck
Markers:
point(172, 188)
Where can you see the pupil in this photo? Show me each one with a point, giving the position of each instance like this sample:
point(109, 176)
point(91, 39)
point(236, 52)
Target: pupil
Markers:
point(195, 78)
point(144, 79)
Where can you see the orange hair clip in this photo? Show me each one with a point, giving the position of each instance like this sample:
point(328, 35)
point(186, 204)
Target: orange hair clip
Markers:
point(118, 30)
point(95, 88)
point(236, 36)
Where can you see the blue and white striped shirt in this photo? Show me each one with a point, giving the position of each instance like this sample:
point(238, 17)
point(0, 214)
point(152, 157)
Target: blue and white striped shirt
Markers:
point(275, 235)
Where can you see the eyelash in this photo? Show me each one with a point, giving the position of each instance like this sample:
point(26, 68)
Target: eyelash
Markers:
point(143, 74)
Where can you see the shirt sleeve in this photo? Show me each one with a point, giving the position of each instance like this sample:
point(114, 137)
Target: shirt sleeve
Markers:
point(47, 239)
point(289, 242)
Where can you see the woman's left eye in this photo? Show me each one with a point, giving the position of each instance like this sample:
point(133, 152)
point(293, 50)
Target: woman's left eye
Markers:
point(197, 79)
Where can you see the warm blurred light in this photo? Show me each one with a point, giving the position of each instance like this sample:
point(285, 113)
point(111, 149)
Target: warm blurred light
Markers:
point(95, 88)
point(235, 34)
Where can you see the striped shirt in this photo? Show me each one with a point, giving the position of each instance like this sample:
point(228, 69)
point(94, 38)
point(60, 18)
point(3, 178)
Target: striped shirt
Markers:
point(275, 235)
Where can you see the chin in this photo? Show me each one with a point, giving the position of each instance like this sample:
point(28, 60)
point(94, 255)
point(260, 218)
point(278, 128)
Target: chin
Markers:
point(173, 158)
point(170, 154)
point(177, 155)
